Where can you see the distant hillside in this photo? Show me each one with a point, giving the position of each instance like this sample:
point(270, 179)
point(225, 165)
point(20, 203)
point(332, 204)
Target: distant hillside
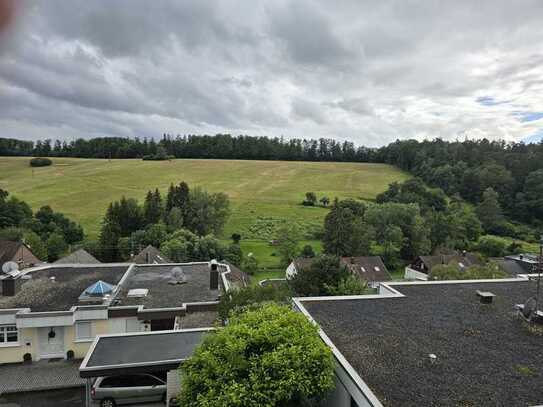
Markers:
point(263, 193)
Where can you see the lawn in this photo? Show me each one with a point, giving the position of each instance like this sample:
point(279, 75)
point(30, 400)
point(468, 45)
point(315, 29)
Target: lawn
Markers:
point(263, 194)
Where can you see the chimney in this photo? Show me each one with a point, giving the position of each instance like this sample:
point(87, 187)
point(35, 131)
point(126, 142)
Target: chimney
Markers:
point(8, 287)
point(213, 275)
point(147, 258)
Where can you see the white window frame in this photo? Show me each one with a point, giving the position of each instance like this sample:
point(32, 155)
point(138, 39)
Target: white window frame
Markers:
point(4, 335)
point(78, 337)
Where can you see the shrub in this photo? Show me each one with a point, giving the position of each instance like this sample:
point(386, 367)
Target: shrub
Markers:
point(270, 356)
point(40, 162)
point(492, 246)
point(248, 297)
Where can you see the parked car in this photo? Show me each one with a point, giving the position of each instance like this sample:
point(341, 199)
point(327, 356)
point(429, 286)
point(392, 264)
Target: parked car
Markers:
point(126, 389)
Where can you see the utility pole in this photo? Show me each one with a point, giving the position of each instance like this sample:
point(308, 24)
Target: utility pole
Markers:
point(539, 269)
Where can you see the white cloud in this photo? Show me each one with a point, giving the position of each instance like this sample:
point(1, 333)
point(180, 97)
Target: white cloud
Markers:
point(371, 72)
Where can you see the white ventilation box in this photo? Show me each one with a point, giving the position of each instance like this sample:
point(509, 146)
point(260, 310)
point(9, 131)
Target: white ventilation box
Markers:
point(138, 292)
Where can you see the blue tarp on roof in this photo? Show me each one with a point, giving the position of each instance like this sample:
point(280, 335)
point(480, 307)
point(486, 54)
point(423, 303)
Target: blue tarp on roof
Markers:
point(99, 288)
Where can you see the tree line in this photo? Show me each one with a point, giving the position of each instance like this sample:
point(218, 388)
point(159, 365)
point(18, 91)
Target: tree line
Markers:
point(223, 146)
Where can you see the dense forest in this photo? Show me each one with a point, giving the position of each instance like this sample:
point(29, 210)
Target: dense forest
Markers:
point(219, 146)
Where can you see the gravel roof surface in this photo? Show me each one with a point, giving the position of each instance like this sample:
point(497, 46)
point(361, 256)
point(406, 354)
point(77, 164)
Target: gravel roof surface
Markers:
point(486, 354)
point(42, 294)
point(161, 294)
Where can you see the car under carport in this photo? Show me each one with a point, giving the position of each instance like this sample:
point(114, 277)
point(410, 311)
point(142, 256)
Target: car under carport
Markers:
point(142, 352)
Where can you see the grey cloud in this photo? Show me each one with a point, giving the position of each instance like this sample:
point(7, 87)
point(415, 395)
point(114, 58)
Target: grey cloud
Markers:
point(369, 71)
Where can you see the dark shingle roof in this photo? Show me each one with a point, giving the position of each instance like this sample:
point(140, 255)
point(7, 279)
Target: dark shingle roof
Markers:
point(80, 256)
point(40, 293)
point(150, 255)
point(486, 355)
point(303, 263)
point(467, 259)
point(369, 268)
point(8, 249)
point(161, 294)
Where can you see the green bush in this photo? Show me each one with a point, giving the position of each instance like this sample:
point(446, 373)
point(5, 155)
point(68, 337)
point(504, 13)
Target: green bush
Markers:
point(40, 162)
point(271, 356)
point(492, 246)
point(248, 297)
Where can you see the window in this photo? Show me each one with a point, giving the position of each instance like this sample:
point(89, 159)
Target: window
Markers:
point(83, 330)
point(8, 334)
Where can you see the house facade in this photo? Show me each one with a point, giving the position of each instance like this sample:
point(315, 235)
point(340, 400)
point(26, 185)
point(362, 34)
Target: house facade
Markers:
point(56, 311)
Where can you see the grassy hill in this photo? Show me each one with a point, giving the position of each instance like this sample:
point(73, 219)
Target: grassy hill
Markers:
point(263, 194)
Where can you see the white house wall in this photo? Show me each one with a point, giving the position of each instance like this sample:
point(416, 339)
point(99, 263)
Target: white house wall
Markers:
point(411, 274)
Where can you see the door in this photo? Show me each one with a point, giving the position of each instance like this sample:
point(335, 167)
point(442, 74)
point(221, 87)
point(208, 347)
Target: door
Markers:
point(51, 342)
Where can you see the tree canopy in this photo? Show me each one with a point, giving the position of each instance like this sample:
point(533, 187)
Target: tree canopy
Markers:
point(270, 356)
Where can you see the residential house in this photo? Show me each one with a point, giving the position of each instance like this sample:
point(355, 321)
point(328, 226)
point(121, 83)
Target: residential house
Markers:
point(56, 310)
point(80, 256)
point(445, 343)
point(514, 265)
point(17, 252)
point(368, 268)
point(422, 265)
point(150, 255)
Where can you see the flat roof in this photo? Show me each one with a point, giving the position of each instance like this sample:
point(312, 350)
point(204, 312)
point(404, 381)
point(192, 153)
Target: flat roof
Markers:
point(486, 355)
point(162, 294)
point(140, 352)
point(41, 293)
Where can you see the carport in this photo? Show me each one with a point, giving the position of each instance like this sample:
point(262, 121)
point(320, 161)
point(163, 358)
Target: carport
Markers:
point(141, 352)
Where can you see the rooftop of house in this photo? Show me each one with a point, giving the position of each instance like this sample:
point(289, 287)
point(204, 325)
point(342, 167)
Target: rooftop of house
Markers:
point(193, 285)
point(511, 267)
point(8, 249)
point(150, 255)
point(80, 256)
point(463, 260)
point(58, 288)
point(236, 277)
point(303, 262)
point(369, 268)
point(485, 354)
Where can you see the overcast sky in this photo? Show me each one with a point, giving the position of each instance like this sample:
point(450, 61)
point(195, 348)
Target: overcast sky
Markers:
point(370, 71)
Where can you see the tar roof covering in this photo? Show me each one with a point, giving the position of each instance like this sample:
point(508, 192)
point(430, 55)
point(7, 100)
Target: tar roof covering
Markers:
point(140, 352)
point(161, 294)
point(486, 355)
point(40, 293)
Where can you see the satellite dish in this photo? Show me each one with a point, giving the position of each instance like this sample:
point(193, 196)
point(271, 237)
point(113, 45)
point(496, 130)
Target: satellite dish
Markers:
point(178, 275)
point(9, 267)
point(529, 308)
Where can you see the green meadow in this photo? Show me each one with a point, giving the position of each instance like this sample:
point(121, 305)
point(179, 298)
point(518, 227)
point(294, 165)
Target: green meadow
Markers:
point(263, 194)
